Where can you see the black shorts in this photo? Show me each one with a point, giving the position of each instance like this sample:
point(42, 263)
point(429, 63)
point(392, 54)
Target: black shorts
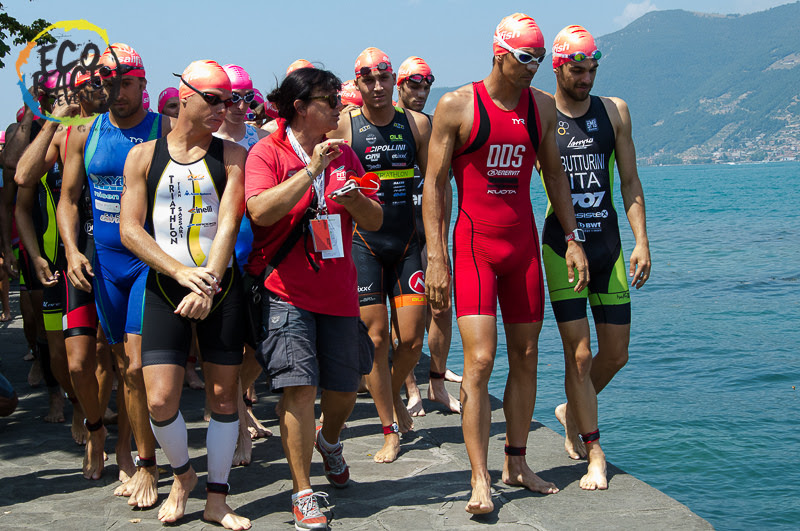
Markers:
point(167, 337)
point(307, 348)
point(389, 267)
point(80, 311)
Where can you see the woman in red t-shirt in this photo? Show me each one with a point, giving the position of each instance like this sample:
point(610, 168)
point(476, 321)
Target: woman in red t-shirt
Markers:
point(310, 313)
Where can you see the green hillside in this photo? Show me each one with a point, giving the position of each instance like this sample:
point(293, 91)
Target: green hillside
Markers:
point(705, 87)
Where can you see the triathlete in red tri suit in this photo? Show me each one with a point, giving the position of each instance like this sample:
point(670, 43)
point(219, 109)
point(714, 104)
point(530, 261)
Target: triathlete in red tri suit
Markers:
point(493, 132)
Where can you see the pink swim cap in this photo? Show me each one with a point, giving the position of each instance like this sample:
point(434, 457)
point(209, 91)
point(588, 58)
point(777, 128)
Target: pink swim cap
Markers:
point(412, 65)
point(2, 137)
point(130, 62)
point(518, 31)
point(350, 94)
point(572, 40)
point(240, 79)
point(270, 109)
point(372, 58)
point(166, 94)
point(300, 63)
point(21, 113)
point(204, 75)
point(145, 100)
point(258, 98)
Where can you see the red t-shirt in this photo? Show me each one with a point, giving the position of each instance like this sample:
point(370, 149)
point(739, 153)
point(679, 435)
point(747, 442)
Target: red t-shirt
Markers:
point(333, 289)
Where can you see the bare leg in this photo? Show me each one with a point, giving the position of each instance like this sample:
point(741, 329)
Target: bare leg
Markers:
point(28, 319)
point(440, 332)
point(4, 285)
point(297, 432)
point(518, 403)
point(479, 337)
point(414, 405)
point(379, 381)
point(191, 378)
point(244, 444)
point(249, 373)
point(408, 323)
point(60, 368)
point(142, 487)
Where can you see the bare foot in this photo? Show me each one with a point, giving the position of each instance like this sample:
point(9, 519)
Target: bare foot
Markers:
point(219, 511)
point(110, 417)
point(414, 406)
point(144, 487)
point(391, 447)
point(79, 432)
point(480, 501)
point(29, 356)
point(516, 472)
point(572, 443)
point(56, 413)
point(256, 429)
point(450, 376)
point(438, 393)
point(126, 467)
point(402, 416)
point(35, 374)
point(244, 448)
point(94, 458)
point(5, 317)
point(174, 507)
point(595, 478)
point(193, 380)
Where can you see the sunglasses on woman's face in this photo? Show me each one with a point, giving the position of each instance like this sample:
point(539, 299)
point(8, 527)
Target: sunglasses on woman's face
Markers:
point(334, 100)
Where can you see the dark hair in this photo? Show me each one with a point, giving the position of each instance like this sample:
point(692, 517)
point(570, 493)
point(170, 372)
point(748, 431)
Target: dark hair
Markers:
point(298, 86)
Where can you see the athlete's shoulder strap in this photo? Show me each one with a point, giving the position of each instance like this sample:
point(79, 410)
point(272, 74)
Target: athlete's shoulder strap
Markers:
point(533, 123)
point(92, 140)
point(479, 134)
point(215, 160)
point(155, 127)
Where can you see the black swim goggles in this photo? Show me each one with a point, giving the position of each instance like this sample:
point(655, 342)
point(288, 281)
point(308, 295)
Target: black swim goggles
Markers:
point(248, 98)
point(366, 70)
point(211, 99)
point(419, 78)
point(523, 57)
point(334, 100)
point(106, 71)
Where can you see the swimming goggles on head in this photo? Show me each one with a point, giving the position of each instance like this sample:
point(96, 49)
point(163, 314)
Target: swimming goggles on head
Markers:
point(523, 57)
point(580, 56)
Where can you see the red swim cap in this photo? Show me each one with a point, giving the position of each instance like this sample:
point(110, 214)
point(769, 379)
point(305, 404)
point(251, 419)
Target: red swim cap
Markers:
point(412, 65)
point(240, 79)
point(21, 113)
point(270, 109)
point(518, 31)
point(373, 58)
point(300, 63)
point(166, 94)
point(204, 75)
point(350, 94)
point(127, 59)
point(571, 40)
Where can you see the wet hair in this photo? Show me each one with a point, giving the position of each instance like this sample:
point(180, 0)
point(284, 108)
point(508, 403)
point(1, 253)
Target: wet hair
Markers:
point(299, 85)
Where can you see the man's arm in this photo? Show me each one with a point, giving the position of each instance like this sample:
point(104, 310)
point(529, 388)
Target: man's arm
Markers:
point(26, 198)
point(231, 209)
point(43, 151)
point(132, 217)
point(67, 214)
point(557, 186)
point(631, 188)
point(446, 124)
point(8, 198)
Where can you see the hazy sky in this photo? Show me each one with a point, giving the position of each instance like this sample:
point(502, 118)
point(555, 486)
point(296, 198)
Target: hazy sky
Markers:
point(454, 36)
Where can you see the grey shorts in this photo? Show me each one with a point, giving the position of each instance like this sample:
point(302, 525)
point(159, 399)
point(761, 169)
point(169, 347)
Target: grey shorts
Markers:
point(307, 348)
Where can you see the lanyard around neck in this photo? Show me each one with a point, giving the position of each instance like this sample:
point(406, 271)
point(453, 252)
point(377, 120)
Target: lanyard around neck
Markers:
point(319, 180)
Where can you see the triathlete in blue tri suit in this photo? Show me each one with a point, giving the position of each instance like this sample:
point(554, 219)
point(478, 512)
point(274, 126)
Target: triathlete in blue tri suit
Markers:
point(98, 152)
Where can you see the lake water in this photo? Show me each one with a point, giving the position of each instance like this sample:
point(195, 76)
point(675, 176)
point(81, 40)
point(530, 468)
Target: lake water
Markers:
point(707, 409)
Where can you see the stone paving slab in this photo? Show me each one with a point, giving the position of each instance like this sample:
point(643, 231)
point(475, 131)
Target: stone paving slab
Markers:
point(426, 488)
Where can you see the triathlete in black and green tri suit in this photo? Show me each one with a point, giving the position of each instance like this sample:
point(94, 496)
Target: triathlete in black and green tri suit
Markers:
point(594, 137)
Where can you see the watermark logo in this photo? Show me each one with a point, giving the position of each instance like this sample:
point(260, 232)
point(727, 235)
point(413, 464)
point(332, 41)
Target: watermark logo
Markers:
point(60, 64)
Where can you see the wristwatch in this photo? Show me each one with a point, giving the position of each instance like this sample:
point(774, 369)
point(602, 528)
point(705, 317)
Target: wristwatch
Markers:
point(576, 235)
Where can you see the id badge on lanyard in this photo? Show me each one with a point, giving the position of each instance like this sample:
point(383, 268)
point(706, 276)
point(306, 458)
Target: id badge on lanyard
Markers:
point(326, 229)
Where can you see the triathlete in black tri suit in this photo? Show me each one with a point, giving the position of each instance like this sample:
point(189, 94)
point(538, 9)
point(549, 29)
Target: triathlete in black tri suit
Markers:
point(388, 141)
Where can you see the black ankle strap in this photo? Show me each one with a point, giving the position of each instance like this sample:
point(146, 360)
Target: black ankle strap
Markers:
point(436, 375)
point(587, 438)
point(515, 450)
point(144, 461)
point(93, 426)
point(218, 488)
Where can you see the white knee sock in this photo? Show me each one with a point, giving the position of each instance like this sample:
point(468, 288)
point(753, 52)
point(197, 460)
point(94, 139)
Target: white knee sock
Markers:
point(223, 430)
point(171, 436)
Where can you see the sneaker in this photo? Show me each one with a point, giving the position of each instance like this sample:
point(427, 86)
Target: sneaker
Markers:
point(306, 512)
point(336, 470)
